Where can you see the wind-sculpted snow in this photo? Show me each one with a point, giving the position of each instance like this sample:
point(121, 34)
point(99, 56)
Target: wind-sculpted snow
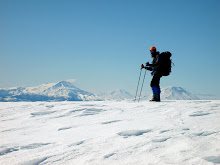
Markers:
point(133, 133)
point(104, 132)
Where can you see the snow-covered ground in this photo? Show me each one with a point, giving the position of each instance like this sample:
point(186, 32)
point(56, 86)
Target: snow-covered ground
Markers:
point(110, 133)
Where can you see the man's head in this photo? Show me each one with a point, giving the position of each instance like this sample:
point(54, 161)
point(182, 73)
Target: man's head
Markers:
point(153, 51)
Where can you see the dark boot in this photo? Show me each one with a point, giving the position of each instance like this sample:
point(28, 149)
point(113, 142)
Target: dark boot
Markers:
point(158, 92)
point(156, 97)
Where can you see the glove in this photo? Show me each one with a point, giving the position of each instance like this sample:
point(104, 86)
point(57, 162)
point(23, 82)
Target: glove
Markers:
point(149, 68)
point(142, 66)
point(147, 64)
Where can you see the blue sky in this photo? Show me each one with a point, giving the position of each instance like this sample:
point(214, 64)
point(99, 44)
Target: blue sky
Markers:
point(102, 43)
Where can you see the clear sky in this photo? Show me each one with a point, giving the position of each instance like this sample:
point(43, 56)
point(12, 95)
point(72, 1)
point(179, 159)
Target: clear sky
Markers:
point(102, 43)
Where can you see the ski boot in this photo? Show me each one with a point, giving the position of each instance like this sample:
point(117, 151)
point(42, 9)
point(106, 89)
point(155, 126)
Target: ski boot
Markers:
point(156, 97)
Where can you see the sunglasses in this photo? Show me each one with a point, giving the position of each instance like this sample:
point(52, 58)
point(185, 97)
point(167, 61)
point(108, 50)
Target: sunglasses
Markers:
point(152, 51)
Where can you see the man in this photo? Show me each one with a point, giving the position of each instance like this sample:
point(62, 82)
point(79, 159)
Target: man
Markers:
point(154, 67)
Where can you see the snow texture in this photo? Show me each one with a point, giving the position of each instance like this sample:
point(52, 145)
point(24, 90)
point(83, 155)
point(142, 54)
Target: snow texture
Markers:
point(110, 133)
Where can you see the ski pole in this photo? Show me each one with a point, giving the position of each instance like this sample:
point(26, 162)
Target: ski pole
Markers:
point(142, 86)
point(138, 85)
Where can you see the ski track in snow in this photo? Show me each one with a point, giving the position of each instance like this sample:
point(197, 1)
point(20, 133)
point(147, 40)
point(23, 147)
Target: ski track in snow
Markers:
point(105, 132)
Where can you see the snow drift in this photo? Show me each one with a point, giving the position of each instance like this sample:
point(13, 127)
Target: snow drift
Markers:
point(110, 133)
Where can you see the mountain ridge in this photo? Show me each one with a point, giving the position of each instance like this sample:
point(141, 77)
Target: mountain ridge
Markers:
point(66, 91)
point(176, 93)
point(61, 91)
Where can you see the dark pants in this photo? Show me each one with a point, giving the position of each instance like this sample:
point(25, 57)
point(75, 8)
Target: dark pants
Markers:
point(155, 82)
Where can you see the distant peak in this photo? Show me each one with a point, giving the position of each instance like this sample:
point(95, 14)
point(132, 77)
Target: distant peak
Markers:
point(174, 88)
point(120, 90)
point(177, 93)
point(65, 84)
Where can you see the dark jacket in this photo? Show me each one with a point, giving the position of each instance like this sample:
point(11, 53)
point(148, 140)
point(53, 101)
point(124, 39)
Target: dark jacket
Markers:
point(155, 65)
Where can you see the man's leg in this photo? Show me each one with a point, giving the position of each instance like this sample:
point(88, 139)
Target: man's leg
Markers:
point(155, 85)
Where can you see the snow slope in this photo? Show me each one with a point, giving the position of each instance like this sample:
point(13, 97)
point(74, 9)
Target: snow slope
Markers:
point(110, 133)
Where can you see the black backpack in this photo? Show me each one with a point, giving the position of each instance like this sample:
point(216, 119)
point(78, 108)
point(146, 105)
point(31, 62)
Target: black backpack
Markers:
point(165, 63)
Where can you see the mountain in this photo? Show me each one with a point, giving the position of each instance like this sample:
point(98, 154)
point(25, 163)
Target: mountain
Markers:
point(167, 93)
point(176, 93)
point(61, 91)
point(66, 91)
point(118, 94)
point(206, 96)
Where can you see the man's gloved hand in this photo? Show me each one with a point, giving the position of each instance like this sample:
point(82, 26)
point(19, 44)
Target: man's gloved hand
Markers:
point(142, 66)
point(149, 68)
point(147, 64)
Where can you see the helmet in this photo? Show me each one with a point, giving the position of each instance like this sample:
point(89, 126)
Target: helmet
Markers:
point(153, 48)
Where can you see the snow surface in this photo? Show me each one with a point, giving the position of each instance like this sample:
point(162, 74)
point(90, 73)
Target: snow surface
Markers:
point(110, 133)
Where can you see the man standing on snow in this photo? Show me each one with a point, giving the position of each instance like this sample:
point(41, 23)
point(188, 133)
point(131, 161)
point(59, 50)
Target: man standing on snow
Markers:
point(154, 67)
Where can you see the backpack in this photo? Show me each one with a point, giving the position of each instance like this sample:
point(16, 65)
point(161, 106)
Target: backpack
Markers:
point(165, 63)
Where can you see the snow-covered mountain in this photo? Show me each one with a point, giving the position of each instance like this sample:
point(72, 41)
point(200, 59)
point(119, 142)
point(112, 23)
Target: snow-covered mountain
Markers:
point(66, 91)
point(176, 93)
point(167, 93)
point(61, 91)
point(118, 94)
point(206, 96)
